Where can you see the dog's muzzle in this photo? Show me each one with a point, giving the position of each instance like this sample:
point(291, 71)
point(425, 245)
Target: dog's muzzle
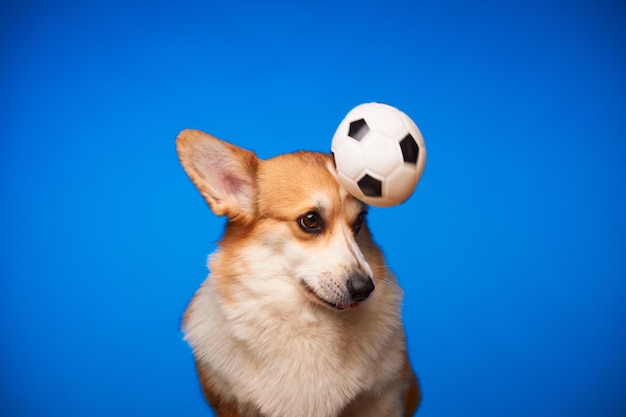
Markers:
point(357, 288)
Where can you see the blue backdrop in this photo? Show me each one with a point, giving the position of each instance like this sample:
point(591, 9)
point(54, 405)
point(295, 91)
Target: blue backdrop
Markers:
point(511, 251)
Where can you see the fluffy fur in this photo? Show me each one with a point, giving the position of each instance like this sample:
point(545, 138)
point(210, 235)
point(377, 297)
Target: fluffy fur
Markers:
point(275, 329)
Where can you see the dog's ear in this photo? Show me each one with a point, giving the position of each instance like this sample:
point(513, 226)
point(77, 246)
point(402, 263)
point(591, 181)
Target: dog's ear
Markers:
point(224, 173)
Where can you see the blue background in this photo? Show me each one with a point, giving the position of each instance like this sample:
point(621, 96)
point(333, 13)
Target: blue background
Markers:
point(511, 251)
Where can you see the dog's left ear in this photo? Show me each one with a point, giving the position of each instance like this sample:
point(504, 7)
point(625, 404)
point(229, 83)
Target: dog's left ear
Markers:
point(223, 173)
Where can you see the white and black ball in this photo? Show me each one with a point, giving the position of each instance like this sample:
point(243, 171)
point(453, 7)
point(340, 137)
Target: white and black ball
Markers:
point(379, 154)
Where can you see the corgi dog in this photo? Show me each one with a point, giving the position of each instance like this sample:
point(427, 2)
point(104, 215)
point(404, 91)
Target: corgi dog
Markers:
point(300, 315)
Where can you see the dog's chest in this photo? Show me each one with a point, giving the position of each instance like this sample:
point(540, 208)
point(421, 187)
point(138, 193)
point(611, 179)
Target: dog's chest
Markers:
point(302, 365)
point(302, 376)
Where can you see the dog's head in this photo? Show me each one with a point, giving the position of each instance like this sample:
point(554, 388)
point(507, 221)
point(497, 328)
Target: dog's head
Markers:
point(289, 221)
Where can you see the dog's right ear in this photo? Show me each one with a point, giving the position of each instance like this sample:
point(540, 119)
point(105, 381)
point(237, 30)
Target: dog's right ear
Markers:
point(223, 173)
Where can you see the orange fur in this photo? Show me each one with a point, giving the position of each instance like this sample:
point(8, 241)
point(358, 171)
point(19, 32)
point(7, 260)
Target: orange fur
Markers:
point(413, 395)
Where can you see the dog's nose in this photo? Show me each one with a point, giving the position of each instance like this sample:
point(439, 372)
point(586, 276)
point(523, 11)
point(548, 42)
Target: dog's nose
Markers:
point(360, 286)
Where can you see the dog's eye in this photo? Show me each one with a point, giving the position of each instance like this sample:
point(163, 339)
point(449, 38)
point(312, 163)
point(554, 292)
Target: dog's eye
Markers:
point(311, 222)
point(358, 223)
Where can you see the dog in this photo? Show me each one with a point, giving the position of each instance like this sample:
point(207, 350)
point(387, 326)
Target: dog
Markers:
point(300, 315)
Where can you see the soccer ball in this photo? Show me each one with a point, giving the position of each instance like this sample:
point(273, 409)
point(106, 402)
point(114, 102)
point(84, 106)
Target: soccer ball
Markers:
point(379, 154)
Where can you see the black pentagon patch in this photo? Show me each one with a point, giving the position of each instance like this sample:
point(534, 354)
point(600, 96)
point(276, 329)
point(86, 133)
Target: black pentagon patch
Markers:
point(358, 129)
point(370, 186)
point(410, 150)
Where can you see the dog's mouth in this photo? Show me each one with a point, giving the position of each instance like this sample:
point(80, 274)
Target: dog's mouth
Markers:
point(337, 305)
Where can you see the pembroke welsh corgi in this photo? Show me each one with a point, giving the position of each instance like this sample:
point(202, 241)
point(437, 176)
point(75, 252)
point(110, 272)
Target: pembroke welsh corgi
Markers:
point(300, 315)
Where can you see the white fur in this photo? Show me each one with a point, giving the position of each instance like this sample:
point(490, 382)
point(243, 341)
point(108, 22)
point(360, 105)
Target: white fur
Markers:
point(318, 359)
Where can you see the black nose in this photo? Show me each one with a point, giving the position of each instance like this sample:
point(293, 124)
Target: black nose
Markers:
point(360, 286)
